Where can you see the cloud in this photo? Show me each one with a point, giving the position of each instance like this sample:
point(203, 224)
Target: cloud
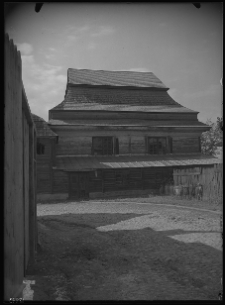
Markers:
point(212, 90)
point(162, 24)
point(103, 31)
point(25, 48)
point(92, 46)
point(52, 49)
point(72, 37)
point(49, 53)
point(73, 34)
point(50, 56)
point(44, 85)
point(84, 28)
point(75, 29)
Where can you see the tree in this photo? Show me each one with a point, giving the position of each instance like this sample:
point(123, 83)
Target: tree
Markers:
point(212, 139)
point(220, 123)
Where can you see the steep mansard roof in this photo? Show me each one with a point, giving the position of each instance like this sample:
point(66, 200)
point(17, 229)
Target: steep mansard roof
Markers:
point(42, 127)
point(113, 78)
point(117, 91)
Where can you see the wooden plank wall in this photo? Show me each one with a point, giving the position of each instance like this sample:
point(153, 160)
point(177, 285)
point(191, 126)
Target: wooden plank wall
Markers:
point(130, 179)
point(26, 179)
point(73, 145)
point(44, 167)
point(187, 175)
point(60, 182)
point(210, 177)
point(14, 204)
point(138, 144)
point(75, 142)
point(95, 183)
point(186, 145)
point(32, 195)
point(124, 145)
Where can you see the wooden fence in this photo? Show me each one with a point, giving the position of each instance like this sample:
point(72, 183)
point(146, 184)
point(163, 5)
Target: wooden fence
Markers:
point(210, 177)
point(20, 234)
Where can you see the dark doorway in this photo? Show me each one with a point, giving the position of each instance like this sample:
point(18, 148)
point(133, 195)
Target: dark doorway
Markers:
point(79, 187)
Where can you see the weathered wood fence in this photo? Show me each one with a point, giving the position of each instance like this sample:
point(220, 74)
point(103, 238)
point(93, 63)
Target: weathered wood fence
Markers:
point(210, 177)
point(20, 234)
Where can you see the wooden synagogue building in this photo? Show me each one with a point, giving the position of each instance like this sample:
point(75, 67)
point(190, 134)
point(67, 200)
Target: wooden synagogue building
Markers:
point(115, 133)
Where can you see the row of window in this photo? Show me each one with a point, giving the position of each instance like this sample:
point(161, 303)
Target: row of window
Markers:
point(110, 146)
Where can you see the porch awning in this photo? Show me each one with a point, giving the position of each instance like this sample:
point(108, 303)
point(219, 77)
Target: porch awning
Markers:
point(71, 163)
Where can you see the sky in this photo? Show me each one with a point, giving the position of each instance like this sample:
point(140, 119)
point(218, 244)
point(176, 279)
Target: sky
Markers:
point(180, 44)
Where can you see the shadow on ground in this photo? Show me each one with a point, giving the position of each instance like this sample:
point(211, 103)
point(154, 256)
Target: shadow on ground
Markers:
point(77, 262)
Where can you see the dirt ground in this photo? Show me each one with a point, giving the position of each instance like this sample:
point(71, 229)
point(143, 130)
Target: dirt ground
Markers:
point(127, 249)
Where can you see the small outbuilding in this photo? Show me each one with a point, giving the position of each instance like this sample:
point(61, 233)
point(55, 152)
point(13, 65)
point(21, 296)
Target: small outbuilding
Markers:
point(46, 143)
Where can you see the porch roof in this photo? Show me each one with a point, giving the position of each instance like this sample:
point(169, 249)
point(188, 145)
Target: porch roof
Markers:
point(113, 162)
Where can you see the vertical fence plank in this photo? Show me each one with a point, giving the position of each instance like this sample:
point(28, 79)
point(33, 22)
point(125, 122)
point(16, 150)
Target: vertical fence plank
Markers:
point(210, 177)
point(13, 174)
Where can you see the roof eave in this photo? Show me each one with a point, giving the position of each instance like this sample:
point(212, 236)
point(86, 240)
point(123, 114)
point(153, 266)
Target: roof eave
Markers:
point(134, 111)
point(155, 88)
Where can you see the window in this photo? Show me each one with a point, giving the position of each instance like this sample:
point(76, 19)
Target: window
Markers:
point(102, 145)
point(117, 147)
point(122, 178)
point(159, 145)
point(40, 149)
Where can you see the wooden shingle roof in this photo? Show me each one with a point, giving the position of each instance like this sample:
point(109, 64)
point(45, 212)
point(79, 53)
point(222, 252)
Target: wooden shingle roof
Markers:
point(121, 99)
point(98, 90)
point(43, 130)
point(113, 78)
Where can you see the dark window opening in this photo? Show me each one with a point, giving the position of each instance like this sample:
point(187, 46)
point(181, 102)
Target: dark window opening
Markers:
point(40, 149)
point(158, 146)
point(102, 145)
point(117, 147)
point(170, 140)
point(199, 145)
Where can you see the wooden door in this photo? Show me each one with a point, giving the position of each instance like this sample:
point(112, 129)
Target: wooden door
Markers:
point(79, 185)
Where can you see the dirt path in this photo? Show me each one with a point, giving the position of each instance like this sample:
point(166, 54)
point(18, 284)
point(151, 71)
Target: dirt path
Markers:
point(127, 251)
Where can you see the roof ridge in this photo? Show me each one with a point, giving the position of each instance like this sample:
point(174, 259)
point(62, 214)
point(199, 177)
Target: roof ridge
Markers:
point(111, 70)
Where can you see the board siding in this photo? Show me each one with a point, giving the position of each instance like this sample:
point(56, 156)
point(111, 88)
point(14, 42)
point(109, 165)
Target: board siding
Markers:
point(128, 179)
point(185, 145)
